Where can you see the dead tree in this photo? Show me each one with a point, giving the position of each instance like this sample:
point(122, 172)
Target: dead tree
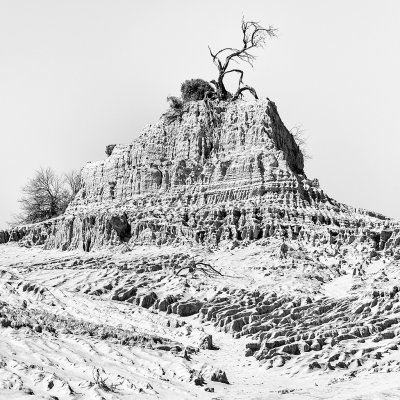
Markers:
point(44, 197)
point(254, 36)
point(198, 266)
point(73, 180)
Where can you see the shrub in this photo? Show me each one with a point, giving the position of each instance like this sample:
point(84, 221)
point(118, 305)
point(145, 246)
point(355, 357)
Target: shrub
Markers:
point(175, 102)
point(176, 109)
point(109, 149)
point(195, 89)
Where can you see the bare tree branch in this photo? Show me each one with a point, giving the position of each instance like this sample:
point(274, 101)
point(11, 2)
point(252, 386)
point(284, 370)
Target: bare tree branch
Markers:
point(74, 181)
point(243, 89)
point(254, 36)
point(298, 135)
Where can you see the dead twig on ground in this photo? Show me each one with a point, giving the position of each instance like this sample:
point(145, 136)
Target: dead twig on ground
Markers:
point(199, 266)
point(102, 382)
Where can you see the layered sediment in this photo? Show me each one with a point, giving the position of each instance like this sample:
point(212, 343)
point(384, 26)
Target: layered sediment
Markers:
point(210, 173)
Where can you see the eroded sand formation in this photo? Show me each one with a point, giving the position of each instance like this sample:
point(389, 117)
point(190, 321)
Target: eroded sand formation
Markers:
point(201, 262)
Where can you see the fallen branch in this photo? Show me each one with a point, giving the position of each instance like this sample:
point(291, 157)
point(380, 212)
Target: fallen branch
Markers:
point(199, 266)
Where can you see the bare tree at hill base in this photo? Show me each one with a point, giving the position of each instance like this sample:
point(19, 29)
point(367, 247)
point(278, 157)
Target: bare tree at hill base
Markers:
point(46, 196)
point(73, 180)
point(254, 36)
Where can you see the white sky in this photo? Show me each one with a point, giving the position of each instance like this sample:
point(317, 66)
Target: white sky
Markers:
point(77, 75)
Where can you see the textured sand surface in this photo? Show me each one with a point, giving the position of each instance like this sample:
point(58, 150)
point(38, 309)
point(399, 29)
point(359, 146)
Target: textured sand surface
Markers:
point(63, 328)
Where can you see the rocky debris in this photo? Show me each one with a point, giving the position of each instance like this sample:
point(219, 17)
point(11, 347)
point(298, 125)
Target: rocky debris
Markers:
point(28, 391)
point(162, 304)
point(206, 343)
point(146, 300)
point(284, 328)
point(219, 376)
point(171, 304)
point(31, 287)
point(199, 380)
point(281, 328)
point(122, 294)
point(40, 321)
point(187, 308)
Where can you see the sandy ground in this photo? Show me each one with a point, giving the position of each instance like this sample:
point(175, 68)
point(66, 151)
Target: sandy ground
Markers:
point(78, 360)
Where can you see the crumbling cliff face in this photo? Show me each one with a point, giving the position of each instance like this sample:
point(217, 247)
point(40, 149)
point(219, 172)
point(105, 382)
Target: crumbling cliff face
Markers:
point(214, 172)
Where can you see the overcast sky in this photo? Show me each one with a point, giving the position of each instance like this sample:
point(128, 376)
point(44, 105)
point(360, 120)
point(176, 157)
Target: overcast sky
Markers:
point(77, 75)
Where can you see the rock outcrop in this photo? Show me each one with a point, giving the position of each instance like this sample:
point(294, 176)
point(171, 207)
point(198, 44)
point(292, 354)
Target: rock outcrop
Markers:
point(242, 260)
point(215, 172)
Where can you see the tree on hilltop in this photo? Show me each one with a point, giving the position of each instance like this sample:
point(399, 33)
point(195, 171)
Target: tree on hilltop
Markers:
point(254, 36)
point(195, 89)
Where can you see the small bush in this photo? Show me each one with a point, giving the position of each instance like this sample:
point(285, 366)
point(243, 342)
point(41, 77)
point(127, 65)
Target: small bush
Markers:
point(176, 109)
point(175, 102)
point(195, 89)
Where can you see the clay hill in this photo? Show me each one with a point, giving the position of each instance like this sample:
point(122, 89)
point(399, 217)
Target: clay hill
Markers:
point(200, 261)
